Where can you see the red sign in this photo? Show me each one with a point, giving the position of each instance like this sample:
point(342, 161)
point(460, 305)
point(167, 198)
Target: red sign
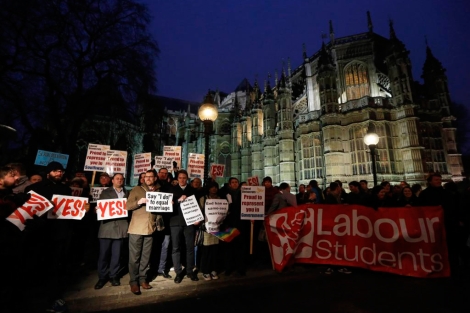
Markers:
point(253, 181)
point(406, 241)
point(217, 170)
point(68, 207)
point(111, 209)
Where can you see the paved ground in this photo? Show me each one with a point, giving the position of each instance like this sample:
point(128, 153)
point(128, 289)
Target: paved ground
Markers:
point(305, 288)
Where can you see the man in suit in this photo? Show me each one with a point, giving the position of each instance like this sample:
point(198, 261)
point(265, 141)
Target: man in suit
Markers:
point(283, 199)
point(111, 236)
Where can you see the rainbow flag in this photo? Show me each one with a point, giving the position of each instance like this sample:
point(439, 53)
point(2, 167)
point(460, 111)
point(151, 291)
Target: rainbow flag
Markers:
point(227, 235)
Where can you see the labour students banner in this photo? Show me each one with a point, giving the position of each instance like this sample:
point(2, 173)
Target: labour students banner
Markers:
point(111, 209)
point(407, 241)
point(36, 205)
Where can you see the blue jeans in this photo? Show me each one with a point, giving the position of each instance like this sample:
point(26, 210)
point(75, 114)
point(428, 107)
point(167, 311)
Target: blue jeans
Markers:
point(164, 254)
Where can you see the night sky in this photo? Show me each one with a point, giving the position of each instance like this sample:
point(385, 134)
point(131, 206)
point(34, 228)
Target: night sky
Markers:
point(214, 44)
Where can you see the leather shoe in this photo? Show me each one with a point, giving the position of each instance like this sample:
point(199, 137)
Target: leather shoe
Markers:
point(100, 284)
point(135, 289)
point(164, 274)
point(193, 276)
point(115, 281)
point(145, 285)
point(179, 278)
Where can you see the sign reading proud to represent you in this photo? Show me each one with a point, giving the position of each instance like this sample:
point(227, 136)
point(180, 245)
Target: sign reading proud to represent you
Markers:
point(216, 211)
point(115, 162)
point(142, 163)
point(217, 170)
point(111, 209)
point(173, 152)
point(195, 165)
point(36, 205)
point(191, 211)
point(95, 157)
point(252, 203)
point(95, 193)
point(45, 157)
point(163, 162)
point(68, 207)
point(159, 202)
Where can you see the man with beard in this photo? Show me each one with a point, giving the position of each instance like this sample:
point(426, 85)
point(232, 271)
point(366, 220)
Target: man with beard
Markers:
point(57, 235)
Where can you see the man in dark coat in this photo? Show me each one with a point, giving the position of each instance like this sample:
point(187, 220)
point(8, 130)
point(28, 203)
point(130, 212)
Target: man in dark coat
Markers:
point(111, 237)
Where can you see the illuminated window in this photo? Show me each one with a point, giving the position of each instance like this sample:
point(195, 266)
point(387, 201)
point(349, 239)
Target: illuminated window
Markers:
point(357, 81)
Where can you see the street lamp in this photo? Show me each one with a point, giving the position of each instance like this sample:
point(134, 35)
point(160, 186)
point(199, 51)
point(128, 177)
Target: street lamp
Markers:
point(371, 139)
point(208, 114)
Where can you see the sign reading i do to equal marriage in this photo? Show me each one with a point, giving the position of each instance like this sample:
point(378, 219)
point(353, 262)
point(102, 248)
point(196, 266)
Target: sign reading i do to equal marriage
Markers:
point(252, 203)
point(45, 157)
point(173, 152)
point(160, 202)
point(163, 162)
point(191, 211)
point(142, 163)
point(95, 157)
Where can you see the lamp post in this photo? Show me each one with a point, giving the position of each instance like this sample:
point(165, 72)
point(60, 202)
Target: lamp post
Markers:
point(371, 139)
point(208, 114)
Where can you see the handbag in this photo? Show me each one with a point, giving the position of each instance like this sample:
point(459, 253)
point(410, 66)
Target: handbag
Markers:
point(199, 237)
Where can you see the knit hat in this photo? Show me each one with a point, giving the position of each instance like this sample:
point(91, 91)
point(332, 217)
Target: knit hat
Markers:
point(53, 166)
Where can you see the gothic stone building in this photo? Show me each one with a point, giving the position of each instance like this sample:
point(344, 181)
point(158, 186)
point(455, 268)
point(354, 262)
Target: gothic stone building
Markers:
point(311, 123)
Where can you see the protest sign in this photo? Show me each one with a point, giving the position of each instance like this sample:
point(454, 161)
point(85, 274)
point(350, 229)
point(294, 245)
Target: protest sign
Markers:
point(159, 202)
point(142, 163)
point(111, 209)
point(215, 211)
point(195, 165)
point(68, 207)
point(217, 170)
point(163, 162)
point(36, 205)
point(252, 203)
point(95, 157)
point(253, 181)
point(191, 211)
point(95, 193)
point(173, 152)
point(115, 162)
point(45, 157)
point(76, 191)
point(405, 241)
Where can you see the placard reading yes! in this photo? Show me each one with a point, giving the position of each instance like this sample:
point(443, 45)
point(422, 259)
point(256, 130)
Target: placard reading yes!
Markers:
point(111, 208)
point(191, 211)
point(159, 202)
point(68, 207)
point(36, 205)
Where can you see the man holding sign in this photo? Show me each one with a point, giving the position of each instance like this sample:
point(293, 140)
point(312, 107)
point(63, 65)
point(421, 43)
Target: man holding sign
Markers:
point(111, 232)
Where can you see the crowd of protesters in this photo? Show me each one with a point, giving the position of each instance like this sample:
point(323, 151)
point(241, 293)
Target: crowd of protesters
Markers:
point(147, 244)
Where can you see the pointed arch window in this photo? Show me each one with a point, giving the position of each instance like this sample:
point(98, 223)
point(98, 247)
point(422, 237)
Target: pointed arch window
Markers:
point(356, 81)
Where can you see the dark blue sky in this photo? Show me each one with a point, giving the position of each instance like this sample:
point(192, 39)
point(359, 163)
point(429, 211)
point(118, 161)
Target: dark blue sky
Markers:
point(209, 44)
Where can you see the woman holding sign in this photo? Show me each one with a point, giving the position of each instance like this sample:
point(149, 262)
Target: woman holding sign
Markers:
point(211, 242)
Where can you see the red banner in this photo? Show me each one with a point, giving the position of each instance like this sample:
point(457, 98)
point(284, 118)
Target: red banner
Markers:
point(407, 241)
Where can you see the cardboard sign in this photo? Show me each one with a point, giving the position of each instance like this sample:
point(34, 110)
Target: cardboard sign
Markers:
point(45, 157)
point(191, 211)
point(405, 241)
point(252, 203)
point(68, 207)
point(76, 191)
point(215, 211)
point(159, 202)
point(142, 163)
point(95, 193)
point(36, 205)
point(111, 209)
point(253, 181)
point(115, 162)
point(195, 165)
point(173, 152)
point(217, 170)
point(163, 162)
point(95, 157)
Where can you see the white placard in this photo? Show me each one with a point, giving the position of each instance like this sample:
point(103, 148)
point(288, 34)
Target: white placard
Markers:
point(215, 211)
point(142, 163)
point(196, 165)
point(68, 207)
point(36, 205)
point(95, 157)
point(191, 211)
point(95, 193)
point(115, 163)
point(163, 162)
point(252, 203)
point(111, 209)
point(159, 202)
point(173, 152)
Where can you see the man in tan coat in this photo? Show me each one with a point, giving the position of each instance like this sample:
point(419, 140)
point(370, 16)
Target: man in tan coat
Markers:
point(140, 231)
